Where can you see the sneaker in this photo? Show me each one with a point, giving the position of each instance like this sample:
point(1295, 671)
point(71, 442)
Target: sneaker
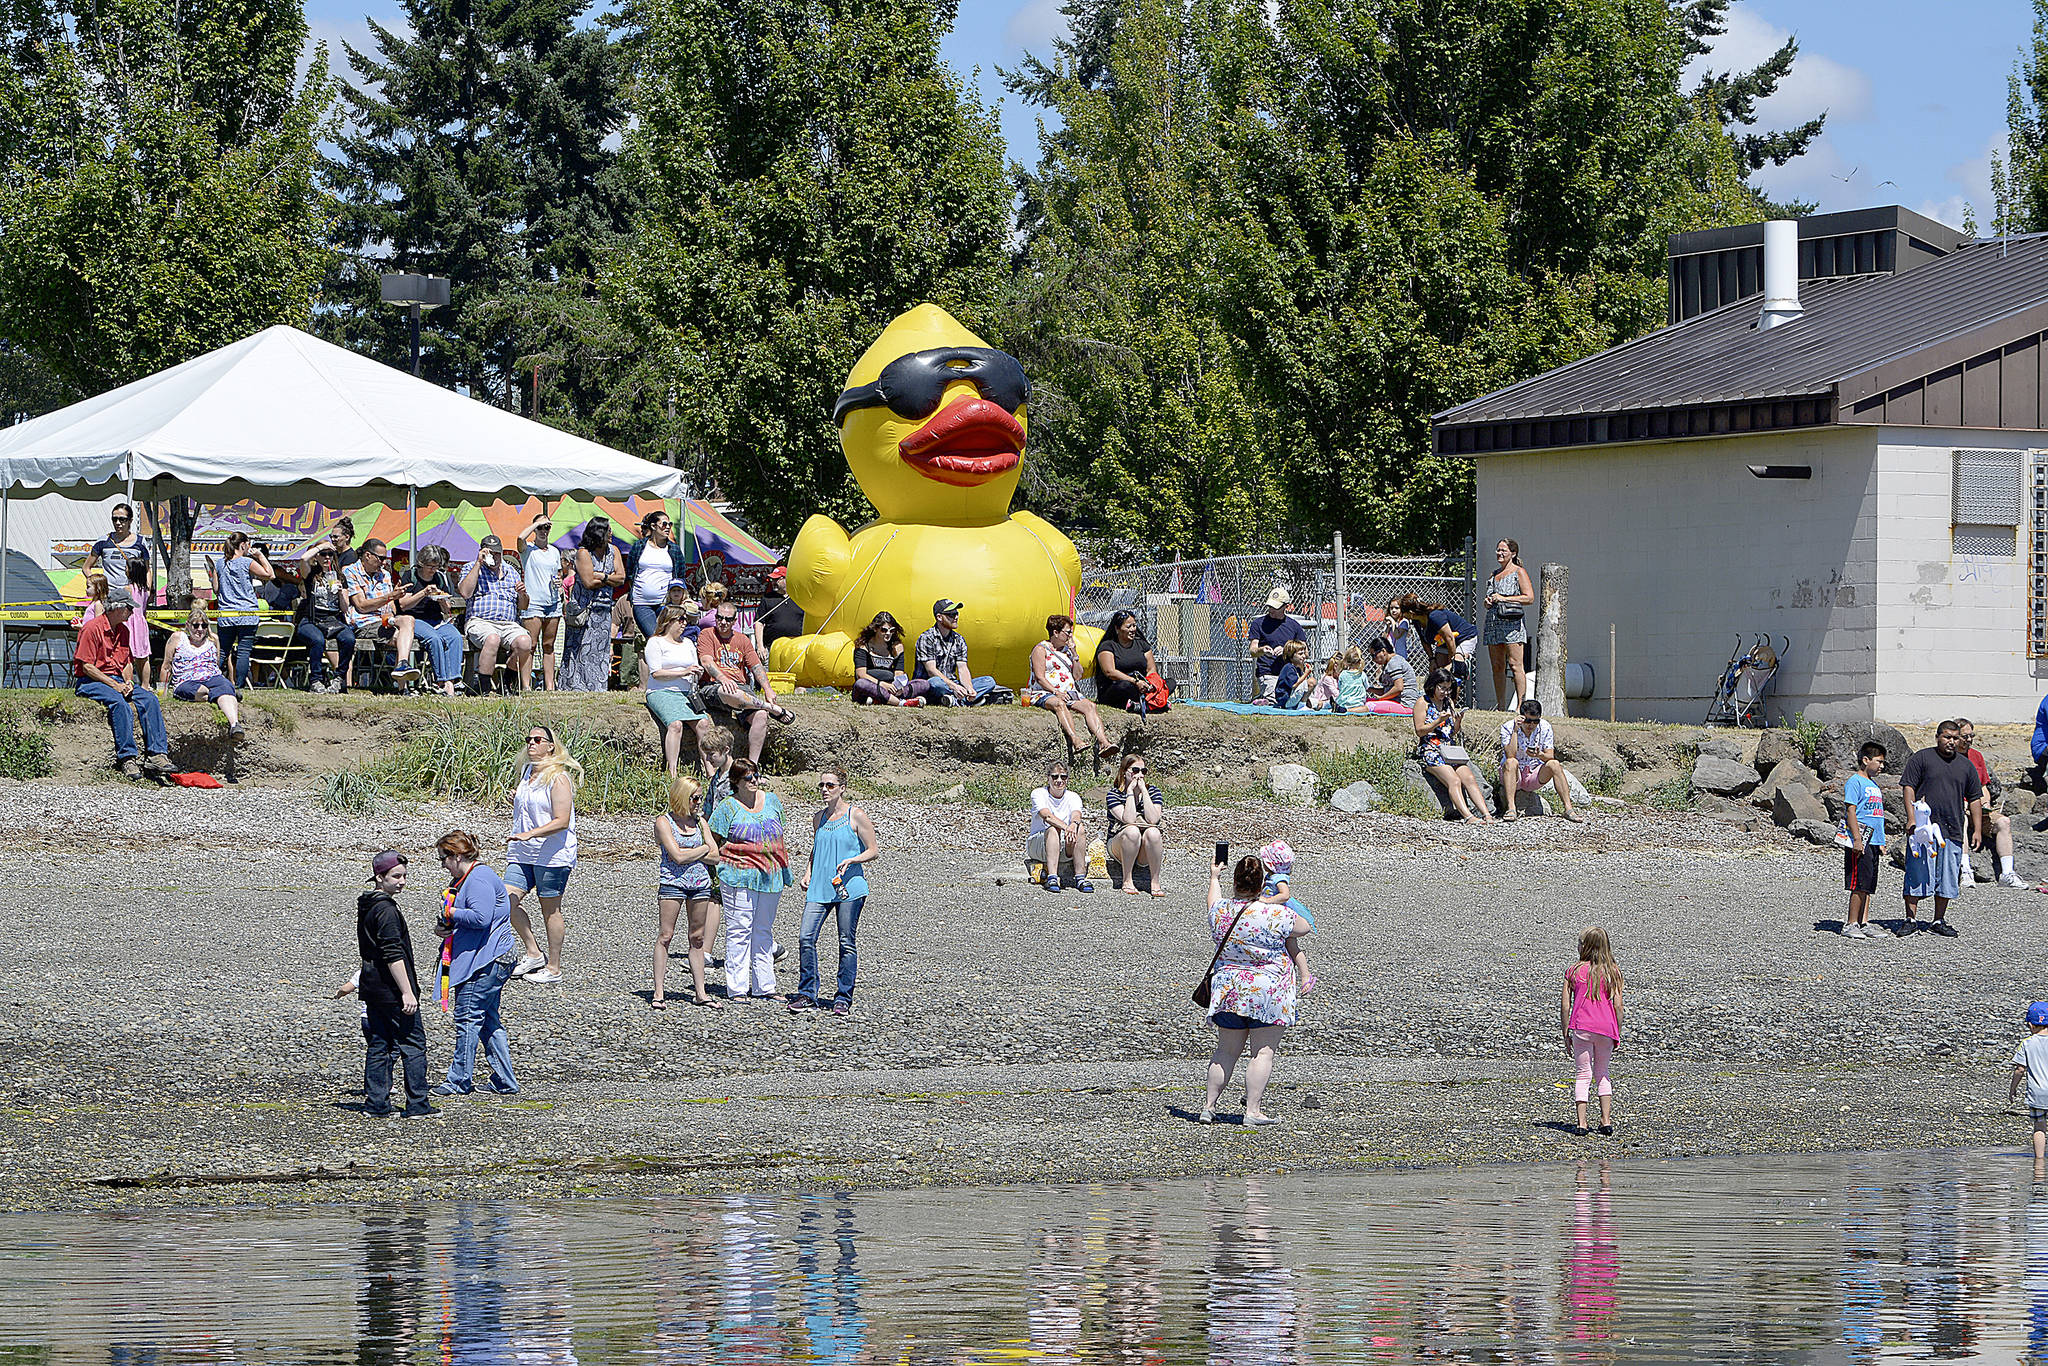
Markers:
point(799, 1004)
point(408, 674)
point(1607, 1131)
point(1206, 1117)
point(842, 1008)
point(2012, 880)
point(1969, 876)
point(528, 964)
point(420, 1112)
point(1052, 883)
point(236, 730)
point(128, 768)
point(449, 1088)
point(1873, 930)
point(914, 702)
point(156, 763)
point(775, 952)
point(546, 977)
point(379, 1111)
point(1942, 927)
point(1852, 932)
point(1082, 884)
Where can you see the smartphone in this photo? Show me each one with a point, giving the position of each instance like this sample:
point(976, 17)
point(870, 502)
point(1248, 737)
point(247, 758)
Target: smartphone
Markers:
point(1222, 852)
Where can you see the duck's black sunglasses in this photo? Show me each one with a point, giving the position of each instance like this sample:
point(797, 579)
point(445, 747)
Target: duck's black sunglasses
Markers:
point(912, 385)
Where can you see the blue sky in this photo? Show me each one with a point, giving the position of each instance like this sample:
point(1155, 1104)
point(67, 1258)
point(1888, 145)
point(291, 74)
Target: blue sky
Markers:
point(1915, 93)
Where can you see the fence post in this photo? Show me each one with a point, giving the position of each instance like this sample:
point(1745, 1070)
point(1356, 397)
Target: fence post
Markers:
point(1551, 652)
point(1471, 612)
point(1343, 596)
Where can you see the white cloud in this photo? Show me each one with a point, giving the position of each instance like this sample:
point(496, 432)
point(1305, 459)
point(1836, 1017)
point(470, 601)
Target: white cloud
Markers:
point(1972, 179)
point(1034, 26)
point(1817, 84)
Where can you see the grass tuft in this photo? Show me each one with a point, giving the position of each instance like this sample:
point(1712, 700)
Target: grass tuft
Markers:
point(351, 792)
point(1810, 733)
point(476, 755)
point(1380, 767)
point(24, 747)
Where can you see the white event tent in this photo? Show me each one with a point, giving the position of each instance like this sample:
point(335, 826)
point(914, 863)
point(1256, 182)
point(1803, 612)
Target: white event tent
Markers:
point(286, 418)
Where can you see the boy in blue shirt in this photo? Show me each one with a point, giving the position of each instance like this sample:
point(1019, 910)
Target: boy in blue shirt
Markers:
point(1866, 841)
point(2030, 1064)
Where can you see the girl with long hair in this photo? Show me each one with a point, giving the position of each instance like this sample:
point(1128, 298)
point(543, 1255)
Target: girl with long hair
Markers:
point(1590, 1017)
point(688, 851)
point(878, 675)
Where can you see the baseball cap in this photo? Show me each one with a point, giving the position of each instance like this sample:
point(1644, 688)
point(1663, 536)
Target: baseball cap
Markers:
point(1279, 597)
point(491, 543)
point(119, 602)
point(2037, 1014)
point(946, 607)
point(779, 573)
point(385, 862)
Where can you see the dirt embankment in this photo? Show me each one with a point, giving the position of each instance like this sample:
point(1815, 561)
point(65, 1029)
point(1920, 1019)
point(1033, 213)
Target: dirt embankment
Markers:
point(296, 740)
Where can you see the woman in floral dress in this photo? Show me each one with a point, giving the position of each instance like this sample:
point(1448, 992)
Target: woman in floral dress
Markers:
point(1253, 992)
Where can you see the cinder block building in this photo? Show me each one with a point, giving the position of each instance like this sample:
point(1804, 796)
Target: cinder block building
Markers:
point(1837, 441)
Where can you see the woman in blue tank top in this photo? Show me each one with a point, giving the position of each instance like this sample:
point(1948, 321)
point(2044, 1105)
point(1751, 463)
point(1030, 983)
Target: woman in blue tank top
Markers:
point(842, 845)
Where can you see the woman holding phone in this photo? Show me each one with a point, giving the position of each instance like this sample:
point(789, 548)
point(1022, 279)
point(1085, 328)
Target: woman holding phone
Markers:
point(1440, 734)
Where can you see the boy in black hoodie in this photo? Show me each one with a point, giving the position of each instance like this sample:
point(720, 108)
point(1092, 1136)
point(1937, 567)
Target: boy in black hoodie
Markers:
point(393, 1025)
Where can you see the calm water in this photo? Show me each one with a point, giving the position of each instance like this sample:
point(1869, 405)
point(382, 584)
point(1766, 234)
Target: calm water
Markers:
point(1912, 1256)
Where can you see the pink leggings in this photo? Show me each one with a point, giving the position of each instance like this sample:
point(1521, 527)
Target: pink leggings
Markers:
point(1591, 1051)
point(1387, 708)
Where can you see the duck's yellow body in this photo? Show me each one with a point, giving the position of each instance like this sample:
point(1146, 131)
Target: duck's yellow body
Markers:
point(944, 531)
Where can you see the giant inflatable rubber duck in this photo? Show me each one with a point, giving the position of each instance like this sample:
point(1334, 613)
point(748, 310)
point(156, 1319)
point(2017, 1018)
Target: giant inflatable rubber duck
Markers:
point(933, 424)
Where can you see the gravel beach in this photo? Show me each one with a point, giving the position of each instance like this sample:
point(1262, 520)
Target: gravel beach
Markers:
point(169, 978)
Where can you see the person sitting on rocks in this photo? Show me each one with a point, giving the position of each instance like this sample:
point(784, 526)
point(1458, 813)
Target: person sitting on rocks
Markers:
point(1440, 732)
point(1058, 824)
point(1997, 825)
point(1136, 809)
point(105, 671)
point(1054, 685)
point(878, 675)
point(1397, 688)
point(942, 660)
point(1528, 759)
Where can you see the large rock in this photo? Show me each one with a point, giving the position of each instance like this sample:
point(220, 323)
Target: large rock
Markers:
point(1293, 783)
point(1724, 777)
point(1784, 774)
point(1419, 782)
point(1795, 804)
point(1721, 749)
point(1776, 747)
point(1836, 752)
point(1814, 832)
point(1357, 798)
point(1580, 797)
point(1531, 803)
point(1724, 809)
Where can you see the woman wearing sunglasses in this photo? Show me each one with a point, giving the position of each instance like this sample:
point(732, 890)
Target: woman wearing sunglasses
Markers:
point(321, 624)
point(541, 852)
point(842, 844)
point(753, 873)
point(688, 851)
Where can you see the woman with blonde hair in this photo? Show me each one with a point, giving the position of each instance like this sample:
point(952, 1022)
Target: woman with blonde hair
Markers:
point(688, 850)
point(541, 852)
point(192, 669)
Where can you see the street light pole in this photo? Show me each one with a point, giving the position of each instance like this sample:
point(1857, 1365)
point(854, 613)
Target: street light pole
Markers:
point(416, 294)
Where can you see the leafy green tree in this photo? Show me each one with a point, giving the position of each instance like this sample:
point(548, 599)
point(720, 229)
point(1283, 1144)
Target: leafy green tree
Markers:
point(2019, 179)
point(158, 195)
point(810, 170)
point(479, 149)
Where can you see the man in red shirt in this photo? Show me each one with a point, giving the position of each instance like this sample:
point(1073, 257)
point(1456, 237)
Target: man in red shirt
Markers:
point(737, 665)
point(1997, 825)
point(106, 673)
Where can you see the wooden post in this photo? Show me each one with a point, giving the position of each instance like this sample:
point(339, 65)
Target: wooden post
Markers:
point(1343, 597)
point(1550, 639)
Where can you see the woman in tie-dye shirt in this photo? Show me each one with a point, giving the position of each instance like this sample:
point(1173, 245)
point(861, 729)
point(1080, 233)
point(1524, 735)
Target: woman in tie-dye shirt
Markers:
point(753, 868)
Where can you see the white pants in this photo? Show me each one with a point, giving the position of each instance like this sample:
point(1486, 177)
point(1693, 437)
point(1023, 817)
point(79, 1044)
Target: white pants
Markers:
point(750, 941)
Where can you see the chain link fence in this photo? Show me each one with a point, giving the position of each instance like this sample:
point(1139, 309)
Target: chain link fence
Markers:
point(1197, 614)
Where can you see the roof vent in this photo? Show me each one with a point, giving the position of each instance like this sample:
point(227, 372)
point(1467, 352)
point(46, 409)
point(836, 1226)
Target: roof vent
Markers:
point(1781, 273)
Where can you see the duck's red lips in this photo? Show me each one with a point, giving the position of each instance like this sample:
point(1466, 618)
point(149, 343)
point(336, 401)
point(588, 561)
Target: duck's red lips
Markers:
point(965, 443)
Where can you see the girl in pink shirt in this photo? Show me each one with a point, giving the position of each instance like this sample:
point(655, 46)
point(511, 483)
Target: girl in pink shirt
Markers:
point(1591, 1020)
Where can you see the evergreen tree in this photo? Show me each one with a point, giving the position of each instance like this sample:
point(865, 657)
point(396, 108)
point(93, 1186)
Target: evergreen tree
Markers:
point(810, 169)
point(1731, 98)
point(477, 150)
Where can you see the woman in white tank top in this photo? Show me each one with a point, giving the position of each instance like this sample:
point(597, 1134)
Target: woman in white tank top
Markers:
point(542, 849)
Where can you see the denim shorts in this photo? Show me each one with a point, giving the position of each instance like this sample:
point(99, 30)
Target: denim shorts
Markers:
point(536, 878)
point(1224, 1019)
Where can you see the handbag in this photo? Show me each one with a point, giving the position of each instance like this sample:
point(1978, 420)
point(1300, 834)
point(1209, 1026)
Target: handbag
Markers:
point(576, 613)
point(1202, 994)
point(1453, 754)
point(1158, 693)
point(1508, 611)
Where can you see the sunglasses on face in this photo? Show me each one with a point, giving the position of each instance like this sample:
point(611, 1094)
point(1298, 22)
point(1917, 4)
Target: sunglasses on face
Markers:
point(1137, 768)
point(537, 740)
point(911, 386)
point(828, 786)
point(1057, 778)
point(727, 621)
point(124, 519)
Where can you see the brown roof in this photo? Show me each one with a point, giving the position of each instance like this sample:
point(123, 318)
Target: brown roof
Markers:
point(1855, 335)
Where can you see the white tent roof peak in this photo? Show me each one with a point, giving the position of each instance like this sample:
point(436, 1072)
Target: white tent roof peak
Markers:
point(284, 412)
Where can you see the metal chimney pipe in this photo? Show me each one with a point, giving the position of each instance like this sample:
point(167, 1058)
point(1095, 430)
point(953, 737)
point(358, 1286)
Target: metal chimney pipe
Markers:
point(1781, 273)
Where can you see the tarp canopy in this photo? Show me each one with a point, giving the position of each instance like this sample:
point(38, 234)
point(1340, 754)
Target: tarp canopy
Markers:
point(295, 419)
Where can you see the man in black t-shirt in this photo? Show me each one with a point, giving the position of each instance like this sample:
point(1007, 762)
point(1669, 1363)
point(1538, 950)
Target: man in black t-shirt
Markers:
point(1947, 781)
point(778, 618)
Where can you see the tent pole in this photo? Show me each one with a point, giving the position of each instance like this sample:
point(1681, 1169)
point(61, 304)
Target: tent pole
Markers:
point(3, 584)
point(412, 515)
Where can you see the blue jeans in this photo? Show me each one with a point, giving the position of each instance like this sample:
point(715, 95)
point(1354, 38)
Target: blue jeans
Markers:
point(121, 718)
point(476, 1014)
point(235, 642)
point(950, 687)
point(646, 615)
point(807, 946)
point(444, 644)
point(315, 640)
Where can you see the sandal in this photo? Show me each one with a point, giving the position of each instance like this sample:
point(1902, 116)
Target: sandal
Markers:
point(709, 1000)
point(658, 1003)
point(1159, 891)
point(783, 715)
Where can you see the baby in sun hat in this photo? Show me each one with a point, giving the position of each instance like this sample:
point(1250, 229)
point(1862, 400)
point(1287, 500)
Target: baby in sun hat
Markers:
point(1279, 861)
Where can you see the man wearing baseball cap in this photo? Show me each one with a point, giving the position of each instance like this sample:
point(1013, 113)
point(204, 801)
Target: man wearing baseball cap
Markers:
point(492, 588)
point(778, 618)
point(105, 671)
point(942, 659)
point(1269, 636)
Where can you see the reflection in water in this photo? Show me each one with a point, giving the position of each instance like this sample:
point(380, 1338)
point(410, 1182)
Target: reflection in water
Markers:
point(1822, 1259)
point(1595, 1266)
